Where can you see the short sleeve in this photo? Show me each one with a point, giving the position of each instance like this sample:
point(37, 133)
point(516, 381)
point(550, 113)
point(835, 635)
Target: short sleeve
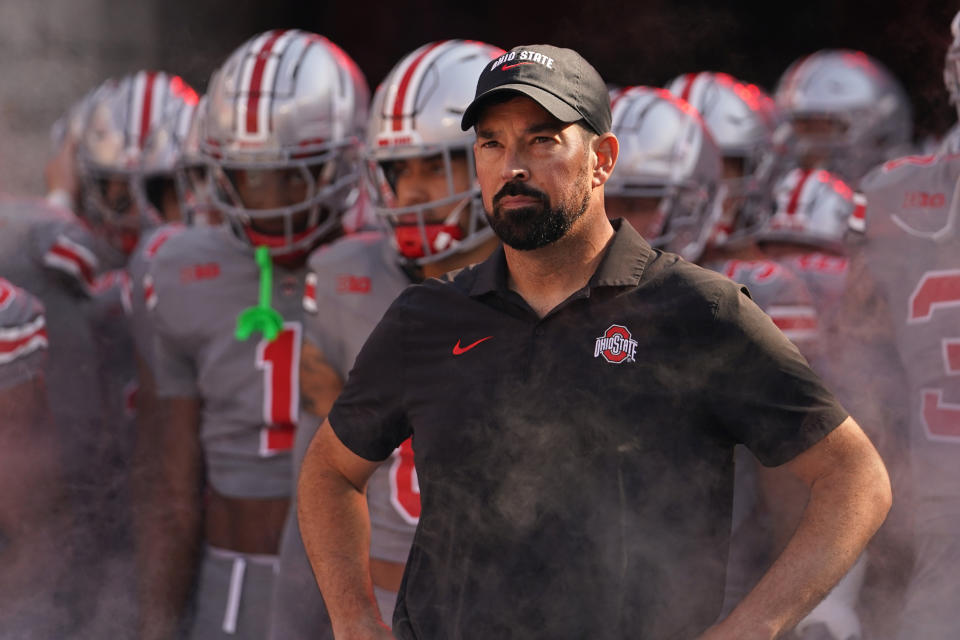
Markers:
point(23, 336)
point(762, 390)
point(369, 415)
point(173, 369)
point(69, 252)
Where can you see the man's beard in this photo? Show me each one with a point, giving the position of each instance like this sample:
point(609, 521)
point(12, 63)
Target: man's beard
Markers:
point(538, 225)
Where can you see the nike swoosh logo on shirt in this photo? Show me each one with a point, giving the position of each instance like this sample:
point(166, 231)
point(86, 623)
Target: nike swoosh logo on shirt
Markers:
point(458, 350)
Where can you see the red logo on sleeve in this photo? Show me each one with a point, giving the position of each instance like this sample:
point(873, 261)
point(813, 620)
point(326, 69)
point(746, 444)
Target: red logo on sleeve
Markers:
point(353, 284)
point(197, 272)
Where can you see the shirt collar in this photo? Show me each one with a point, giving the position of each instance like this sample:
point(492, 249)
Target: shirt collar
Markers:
point(622, 264)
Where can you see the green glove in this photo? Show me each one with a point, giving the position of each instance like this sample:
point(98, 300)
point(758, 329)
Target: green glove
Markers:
point(263, 317)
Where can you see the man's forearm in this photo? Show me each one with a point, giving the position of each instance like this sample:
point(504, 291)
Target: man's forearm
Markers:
point(845, 508)
point(335, 527)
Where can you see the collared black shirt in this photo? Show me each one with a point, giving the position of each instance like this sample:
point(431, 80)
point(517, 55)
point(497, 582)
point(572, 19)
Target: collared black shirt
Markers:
point(576, 470)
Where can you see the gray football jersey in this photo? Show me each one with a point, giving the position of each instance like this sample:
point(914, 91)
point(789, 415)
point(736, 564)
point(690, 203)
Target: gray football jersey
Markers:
point(350, 285)
point(825, 277)
point(140, 297)
point(202, 280)
point(23, 336)
point(107, 315)
point(912, 249)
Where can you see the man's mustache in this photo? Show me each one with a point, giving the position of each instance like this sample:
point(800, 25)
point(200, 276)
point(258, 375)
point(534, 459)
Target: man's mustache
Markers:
point(519, 189)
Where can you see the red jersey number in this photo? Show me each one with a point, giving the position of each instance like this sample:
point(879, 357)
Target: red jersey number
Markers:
point(404, 487)
point(280, 362)
point(939, 290)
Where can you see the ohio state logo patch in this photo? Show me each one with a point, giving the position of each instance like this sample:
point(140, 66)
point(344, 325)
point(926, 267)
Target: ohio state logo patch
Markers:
point(616, 345)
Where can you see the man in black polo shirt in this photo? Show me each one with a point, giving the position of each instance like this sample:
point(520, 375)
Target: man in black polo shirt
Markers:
point(574, 402)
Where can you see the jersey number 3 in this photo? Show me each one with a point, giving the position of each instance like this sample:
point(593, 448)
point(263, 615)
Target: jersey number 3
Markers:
point(939, 290)
point(280, 362)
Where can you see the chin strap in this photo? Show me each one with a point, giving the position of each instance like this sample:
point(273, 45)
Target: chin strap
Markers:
point(263, 317)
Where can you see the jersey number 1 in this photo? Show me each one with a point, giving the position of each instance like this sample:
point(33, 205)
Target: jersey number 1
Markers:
point(280, 362)
point(939, 290)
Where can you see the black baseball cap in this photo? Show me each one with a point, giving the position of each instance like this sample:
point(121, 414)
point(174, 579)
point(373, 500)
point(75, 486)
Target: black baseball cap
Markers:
point(559, 80)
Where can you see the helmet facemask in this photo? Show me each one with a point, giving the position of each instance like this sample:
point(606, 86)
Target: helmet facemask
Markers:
point(684, 218)
point(430, 229)
point(251, 192)
point(112, 204)
point(745, 200)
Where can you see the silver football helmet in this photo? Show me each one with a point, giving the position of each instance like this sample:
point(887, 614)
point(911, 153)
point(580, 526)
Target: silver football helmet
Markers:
point(120, 118)
point(282, 133)
point(813, 208)
point(159, 164)
point(846, 110)
point(668, 162)
point(415, 114)
point(951, 66)
point(743, 121)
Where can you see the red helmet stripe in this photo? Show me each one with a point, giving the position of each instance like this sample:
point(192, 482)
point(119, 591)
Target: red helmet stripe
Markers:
point(688, 87)
point(797, 191)
point(256, 79)
point(147, 108)
point(618, 96)
point(405, 85)
point(7, 293)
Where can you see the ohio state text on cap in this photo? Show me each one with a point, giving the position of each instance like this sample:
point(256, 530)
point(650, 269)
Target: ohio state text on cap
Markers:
point(559, 80)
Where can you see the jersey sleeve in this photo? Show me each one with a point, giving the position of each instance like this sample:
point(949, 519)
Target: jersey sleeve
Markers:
point(369, 415)
point(65, 248)
point(174, 367)
point(762, 390)
point(23, 336)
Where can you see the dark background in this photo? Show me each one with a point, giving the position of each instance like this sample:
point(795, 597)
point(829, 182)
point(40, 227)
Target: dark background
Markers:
point(646, 42)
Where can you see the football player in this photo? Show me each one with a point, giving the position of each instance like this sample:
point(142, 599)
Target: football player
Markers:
point(44, 249)
point(124, 192)
point(281, 134)
point(846, 112)
point(903, 290)
point(806, 234)
point(424, 190)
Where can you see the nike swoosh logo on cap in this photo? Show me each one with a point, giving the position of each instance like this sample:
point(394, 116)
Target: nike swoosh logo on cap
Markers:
point(458, 350)
point(511, 66)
